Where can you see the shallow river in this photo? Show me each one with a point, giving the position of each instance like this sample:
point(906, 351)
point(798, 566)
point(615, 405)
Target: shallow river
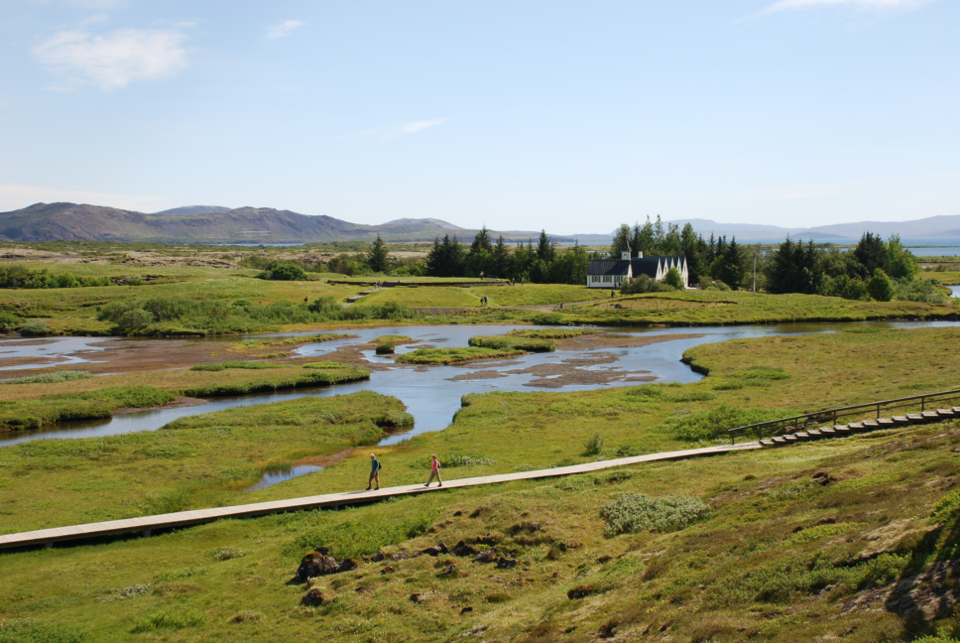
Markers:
point(431, 396)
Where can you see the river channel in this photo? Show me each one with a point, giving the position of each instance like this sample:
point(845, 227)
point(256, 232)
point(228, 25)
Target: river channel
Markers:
point(432, 396)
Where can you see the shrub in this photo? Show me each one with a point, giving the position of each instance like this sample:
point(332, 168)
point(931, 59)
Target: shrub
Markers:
point(283, 271)
point(351, 539)
point(636, 512)
point(35, 329)
point(546, 319)
point(594, 445)
point(674, 278)
point(169, 619)
point(714, 423)
point(136, 281)
point(880, 287)
point(49, 378)
point(22, 630)
point(385, 349)
point(8, 322)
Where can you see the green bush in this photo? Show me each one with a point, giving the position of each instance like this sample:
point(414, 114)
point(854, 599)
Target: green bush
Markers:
point(166, 316)
point(49, 378)
point(594, 445)
point(551, 333)
point(351, 539)
point(880, 287)
point(35, 329)
point(283, 271)
point(9, 322)
point(385, 349)
point(636, 512)
point(169, 619)
point(22, 630)
point(709, 424)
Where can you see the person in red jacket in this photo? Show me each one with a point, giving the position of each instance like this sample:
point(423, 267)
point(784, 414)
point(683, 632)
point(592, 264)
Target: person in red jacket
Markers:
point(434, 471)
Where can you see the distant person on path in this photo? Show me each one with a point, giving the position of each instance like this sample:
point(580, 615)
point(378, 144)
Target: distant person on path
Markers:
point(374, 471)
point(481, 275)
point(611, 294)
point(434, 472)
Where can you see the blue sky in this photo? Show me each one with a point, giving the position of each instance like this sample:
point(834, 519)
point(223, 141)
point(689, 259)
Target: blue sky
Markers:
point(573, 116)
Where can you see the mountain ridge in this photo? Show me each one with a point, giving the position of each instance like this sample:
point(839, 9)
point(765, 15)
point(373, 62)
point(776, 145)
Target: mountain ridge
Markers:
point(253, 225)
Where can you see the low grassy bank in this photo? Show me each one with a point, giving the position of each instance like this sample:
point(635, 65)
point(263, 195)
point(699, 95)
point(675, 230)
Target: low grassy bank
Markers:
point(526, 343)
point(29, 406)
point(195, 462)
point(704, 308)
point(453, 356)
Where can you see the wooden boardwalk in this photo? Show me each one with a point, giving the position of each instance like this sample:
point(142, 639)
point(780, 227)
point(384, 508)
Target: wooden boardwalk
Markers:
point(146, 524)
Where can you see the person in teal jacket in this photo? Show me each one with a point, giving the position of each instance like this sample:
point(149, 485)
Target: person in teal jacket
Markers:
point(374, 471)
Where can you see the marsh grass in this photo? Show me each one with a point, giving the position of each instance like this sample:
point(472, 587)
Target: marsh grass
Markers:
point(222, 366)
point(48, 378)
point(513, 342)
point(91, 405)
point(551, 333)
point(451, 356)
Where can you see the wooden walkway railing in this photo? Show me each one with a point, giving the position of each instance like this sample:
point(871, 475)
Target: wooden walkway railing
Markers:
point(830, 417)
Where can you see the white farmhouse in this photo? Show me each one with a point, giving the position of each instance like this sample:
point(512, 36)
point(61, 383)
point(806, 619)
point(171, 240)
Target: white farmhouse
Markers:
point(612, 273)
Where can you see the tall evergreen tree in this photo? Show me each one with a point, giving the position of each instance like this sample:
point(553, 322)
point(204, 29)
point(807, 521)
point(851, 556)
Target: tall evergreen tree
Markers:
point(481, 242)
point(501, 259)
point(872, 254)
point(546, 249)
point(377, 256)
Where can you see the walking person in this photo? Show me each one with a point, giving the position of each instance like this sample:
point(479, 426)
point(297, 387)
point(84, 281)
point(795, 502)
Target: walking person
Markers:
point(374, 472)
point(434, 471)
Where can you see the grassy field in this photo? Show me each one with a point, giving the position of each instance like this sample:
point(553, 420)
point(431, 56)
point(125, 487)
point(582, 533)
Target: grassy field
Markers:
point(451, 356)
point(469, 296)
point(947, 278)
point(789, 541)
point(771, 545)
point(702, 308)
point(195, 462)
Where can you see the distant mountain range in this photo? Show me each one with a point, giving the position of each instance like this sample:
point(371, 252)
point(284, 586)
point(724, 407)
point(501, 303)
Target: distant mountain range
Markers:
point(216, 224)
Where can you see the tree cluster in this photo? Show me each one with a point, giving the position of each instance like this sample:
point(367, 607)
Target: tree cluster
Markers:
point(536, 263)
point(874, 269)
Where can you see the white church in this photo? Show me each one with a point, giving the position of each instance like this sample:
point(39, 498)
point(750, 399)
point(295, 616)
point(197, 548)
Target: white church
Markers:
point(612, 273)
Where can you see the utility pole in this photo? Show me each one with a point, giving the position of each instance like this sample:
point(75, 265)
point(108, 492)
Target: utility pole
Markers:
point(754, 271)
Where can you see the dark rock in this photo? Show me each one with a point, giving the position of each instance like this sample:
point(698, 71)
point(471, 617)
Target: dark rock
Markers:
point(457, 514)
point(313, 598)
point(466, 609)
point(506, 563)
point(316, 564)
point(823, 478)
point(581, 591)
point(534, 526)
point(378, 557)
point(362, 590)
point(487, 556)
point(450, 570)
point(603, 560)
point(400, 556)
point(463, 549)
point(347, 565)
point(489, 539)
point(387, 570)
point(432, 551)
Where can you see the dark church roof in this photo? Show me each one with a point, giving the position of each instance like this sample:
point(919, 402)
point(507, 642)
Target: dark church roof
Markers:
point(645, 266)
point(608, 267)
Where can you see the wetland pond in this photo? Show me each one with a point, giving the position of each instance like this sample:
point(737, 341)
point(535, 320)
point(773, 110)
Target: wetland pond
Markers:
point(432, 394)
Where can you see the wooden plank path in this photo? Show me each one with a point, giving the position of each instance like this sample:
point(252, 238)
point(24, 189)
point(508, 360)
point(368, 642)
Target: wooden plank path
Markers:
point(146, 524)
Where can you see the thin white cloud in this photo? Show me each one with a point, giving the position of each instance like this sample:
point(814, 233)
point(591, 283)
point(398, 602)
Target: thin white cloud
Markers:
point(113, 61)
point(284, 28)
point(14, 196)
point(418, 126)
point(783, 5)
point(404, 129)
